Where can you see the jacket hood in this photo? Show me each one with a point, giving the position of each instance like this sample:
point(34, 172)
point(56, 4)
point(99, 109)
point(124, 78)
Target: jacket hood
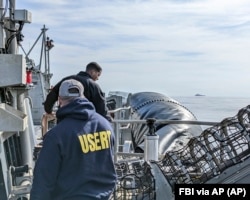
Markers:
point(81, 73)
point(79, 108)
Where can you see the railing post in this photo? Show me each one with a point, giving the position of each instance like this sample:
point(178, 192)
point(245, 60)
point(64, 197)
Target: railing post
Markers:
point(117, 136)
point(151, 142)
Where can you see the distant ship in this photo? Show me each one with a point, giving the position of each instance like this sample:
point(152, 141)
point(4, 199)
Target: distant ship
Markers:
point(199, 95)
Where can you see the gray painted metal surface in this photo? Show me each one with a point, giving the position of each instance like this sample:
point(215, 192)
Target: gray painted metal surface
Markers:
point(12, 119)
point(12, 70)
point(163, 189)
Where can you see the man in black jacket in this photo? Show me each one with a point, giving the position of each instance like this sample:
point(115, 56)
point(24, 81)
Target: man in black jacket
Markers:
point(92, 90)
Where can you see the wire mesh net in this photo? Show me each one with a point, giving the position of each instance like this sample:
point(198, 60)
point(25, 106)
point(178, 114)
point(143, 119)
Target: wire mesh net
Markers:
point(203, 158)
point(209, 154)
point(135, 181)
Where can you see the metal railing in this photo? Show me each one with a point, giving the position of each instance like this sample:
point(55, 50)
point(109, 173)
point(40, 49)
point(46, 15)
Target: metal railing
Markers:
point(127, 122)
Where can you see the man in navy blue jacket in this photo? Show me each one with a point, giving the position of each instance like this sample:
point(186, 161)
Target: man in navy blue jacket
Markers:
point(76, 160)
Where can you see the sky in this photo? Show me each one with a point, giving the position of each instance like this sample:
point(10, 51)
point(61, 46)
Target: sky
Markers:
point(174, 47)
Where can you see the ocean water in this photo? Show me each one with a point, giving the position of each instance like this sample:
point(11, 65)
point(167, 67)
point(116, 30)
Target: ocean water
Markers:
point(213, 109)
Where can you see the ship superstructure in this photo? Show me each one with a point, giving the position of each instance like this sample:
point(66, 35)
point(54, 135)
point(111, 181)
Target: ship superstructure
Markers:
point(23, 87)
